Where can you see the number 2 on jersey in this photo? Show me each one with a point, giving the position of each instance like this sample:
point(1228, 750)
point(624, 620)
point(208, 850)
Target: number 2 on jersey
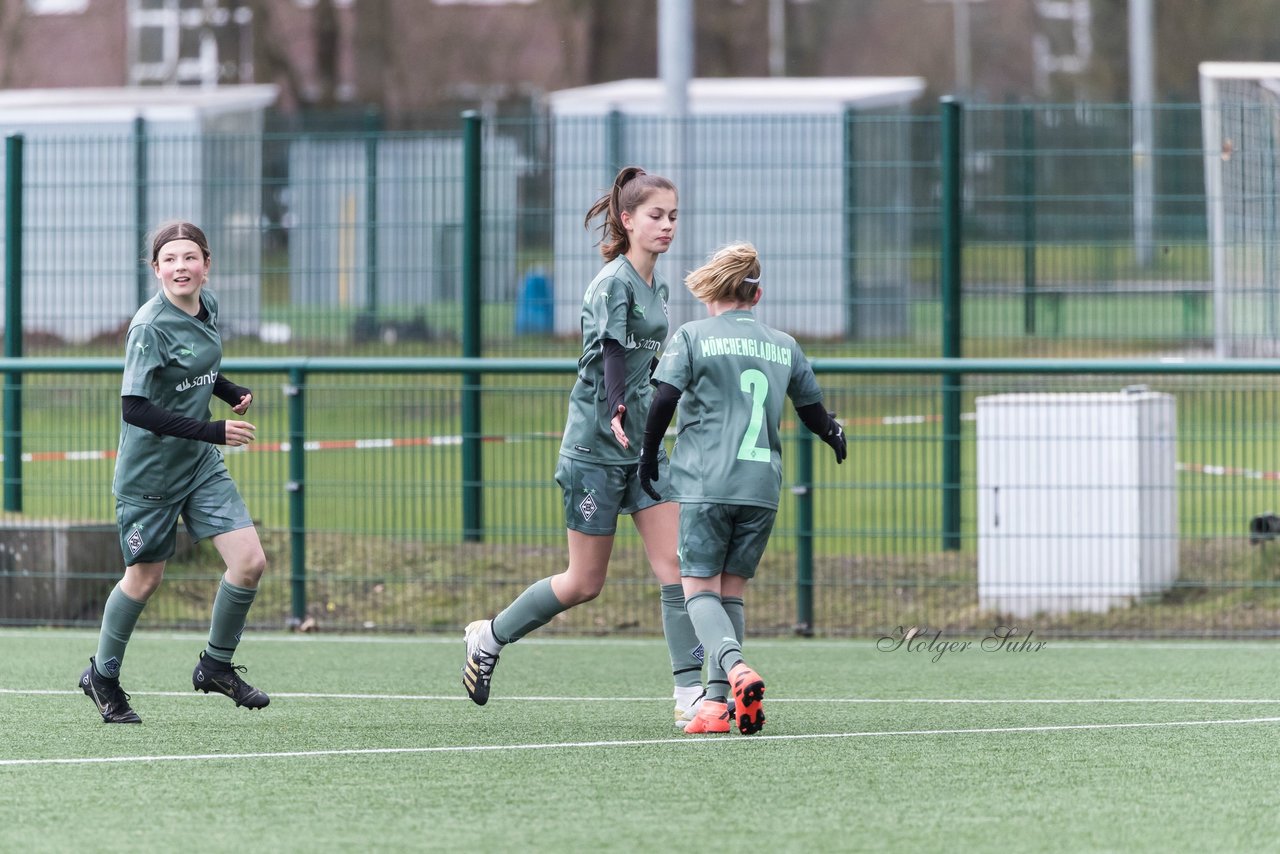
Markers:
point(756, 384)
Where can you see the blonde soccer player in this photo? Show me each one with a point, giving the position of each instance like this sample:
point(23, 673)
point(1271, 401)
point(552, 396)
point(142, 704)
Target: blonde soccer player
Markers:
point(728, 375)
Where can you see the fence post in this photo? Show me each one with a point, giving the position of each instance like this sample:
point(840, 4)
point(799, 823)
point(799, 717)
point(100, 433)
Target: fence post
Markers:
point(850, 195)
point(140, 211)
point(472, 495)
point(297, 495)
point(614, 148)
point(372, 128)
point(13, 322)
point(1029, 221)
point(803, 491)
point(952, 326)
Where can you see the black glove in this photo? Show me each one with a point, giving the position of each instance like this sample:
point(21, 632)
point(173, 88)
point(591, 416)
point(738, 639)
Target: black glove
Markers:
point(653, 369)
point(648, 470)
point(835, 438)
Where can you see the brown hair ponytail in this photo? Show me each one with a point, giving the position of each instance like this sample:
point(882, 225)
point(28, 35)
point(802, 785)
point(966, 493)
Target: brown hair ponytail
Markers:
point(631, 187)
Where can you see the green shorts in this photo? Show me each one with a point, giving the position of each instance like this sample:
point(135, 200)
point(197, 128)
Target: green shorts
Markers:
point(716, 538)
point(596, 495)
point(150, 534)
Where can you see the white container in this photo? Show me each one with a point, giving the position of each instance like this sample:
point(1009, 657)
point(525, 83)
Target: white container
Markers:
point(1077, 500)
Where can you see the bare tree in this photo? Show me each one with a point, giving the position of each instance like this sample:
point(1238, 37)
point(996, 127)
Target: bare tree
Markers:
point(326, 43)
point(373, 50)
point(271, 62)
point(13, 16)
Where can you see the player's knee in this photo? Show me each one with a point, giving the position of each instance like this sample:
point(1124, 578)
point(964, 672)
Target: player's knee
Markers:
point(251, 568)
point(141, 580)
point(144, 586)
point(583, 592)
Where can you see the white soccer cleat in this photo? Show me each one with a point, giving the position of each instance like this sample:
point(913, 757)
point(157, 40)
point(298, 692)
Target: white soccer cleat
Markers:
point(687, 702)
point(482, 657)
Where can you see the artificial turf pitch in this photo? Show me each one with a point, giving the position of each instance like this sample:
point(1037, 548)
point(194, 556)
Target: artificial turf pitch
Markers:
point(370, 744)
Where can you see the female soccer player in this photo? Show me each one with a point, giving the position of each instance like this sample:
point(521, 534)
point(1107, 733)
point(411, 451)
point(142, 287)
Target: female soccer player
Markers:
point(167, 465)
point(728, 374)
point(624, 322)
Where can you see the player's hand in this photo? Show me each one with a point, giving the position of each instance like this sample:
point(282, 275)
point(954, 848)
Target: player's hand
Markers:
point(240, 433)
point(615, 424)
point(835, 438)
point(243, 406)
point(648, 471)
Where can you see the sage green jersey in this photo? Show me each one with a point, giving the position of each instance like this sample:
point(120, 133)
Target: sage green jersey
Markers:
point(734, 374)
point(622, 306)
point(171, 359)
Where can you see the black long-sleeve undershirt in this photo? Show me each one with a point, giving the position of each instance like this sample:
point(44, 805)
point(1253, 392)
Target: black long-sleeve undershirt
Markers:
point(615, 374)
point(661, 410)
point(141, 412)
point(816, 418)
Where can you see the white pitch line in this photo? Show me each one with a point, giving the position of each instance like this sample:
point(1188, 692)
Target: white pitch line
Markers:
point(864, 643)
point(571, 745)
point(536, 698)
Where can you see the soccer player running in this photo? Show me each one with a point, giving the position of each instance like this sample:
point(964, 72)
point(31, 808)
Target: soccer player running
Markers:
point(168, 465)
point(728, 374)
point(624, 322)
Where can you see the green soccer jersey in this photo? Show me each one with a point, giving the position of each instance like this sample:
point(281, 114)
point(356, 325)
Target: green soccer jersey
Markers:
point(621, 306)
point(171, 359)
point(733, 373)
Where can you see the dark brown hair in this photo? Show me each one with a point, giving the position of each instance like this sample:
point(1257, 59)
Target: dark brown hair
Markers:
point(177, 230)
point(631, 188)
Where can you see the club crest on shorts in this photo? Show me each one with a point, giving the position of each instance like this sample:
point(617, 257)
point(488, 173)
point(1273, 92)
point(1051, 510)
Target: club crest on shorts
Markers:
point(588, 507)
point(134, 541)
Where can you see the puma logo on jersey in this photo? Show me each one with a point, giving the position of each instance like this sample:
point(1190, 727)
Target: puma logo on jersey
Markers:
point(142, 348)
point(187, 351)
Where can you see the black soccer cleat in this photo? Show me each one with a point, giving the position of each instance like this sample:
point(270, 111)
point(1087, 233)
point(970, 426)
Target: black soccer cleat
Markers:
point(213, 675)
point(108, 696)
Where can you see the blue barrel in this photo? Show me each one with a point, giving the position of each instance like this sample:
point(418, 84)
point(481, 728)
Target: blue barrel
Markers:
point(534, 305)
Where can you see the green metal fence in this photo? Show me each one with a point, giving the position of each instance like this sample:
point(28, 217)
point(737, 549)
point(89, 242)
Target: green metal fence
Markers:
point(1082, 515)
point(357, 242)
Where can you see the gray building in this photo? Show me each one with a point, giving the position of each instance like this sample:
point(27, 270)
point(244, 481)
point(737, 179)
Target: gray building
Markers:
point(770, 161)
point(115, 163)
point(377, 223)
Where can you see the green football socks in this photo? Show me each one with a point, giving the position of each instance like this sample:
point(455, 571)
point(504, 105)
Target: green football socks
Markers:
point(736, 609)
point(118, 619)
point(230, 609)
point(682, 640)
point(532, 609)
point(733, 607)
point(715, 630)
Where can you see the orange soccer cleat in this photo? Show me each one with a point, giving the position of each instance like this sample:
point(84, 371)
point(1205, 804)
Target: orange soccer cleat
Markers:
point(748, 692)
point(711, 717)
